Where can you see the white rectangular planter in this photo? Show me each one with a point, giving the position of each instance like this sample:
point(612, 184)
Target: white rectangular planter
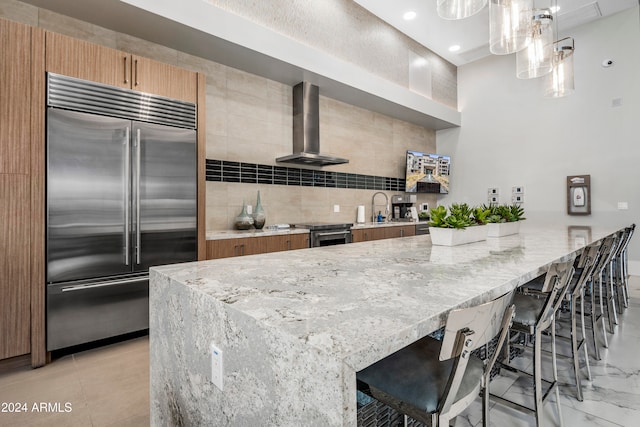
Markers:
point(454, 237)
point(499, 229)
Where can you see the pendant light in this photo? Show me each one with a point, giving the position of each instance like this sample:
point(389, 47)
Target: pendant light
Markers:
point(459, 9)
point(509, 25)
point(536, 59)
point(560, 81)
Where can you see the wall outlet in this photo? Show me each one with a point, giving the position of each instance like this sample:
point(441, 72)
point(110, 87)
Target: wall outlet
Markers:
point(623, 206)
point(493, 191)
point(493, 200)
point(216, 366)
point(517, 198)
point(336, 208)
point(517, 190)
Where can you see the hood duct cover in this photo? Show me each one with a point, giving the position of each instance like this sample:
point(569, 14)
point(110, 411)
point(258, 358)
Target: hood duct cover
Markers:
point(306, 129)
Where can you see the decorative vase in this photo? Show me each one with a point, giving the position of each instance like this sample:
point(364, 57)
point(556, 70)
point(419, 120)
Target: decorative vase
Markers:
point(244, 220)
point(259, 217)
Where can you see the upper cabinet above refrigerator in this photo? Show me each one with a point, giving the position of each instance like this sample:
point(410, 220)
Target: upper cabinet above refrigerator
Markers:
point(117, 68)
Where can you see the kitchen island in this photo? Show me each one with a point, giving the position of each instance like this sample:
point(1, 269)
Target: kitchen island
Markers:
point(295, 327)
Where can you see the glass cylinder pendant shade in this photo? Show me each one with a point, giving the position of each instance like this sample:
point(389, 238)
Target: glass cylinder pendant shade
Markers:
point(536, 59)
point(459, 9)
point(509, 25)
point(560, 81)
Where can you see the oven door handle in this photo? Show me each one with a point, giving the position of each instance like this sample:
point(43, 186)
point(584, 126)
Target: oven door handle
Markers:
point(333, 233)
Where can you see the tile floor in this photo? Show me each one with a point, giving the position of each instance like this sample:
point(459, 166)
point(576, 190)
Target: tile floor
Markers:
point(109, 386)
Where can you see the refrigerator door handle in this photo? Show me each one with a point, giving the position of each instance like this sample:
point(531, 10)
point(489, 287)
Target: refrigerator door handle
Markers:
point(127, 194)
point(138, 243)
point(103, 284)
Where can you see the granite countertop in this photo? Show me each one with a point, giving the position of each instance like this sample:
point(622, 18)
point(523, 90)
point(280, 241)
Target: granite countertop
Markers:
point(234, 234)
point(296, 326)
point(359, 226)
point(360, 302)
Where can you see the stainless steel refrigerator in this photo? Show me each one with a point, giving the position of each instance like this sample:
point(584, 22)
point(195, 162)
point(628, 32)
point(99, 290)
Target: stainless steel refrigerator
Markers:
point(121, 197)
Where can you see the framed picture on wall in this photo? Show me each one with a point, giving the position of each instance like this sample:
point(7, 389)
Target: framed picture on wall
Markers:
point(579, 195)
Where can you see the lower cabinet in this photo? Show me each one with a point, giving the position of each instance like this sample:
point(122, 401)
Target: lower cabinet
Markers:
point(367, 234)
point(226, 248)
point(378, 233)
point(15, 288)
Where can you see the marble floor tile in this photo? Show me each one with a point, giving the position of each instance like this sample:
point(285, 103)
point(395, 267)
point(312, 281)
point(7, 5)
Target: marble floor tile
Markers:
point(611, 398)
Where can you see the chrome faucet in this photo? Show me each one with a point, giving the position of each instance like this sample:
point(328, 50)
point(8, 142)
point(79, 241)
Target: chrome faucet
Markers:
point(373, 205)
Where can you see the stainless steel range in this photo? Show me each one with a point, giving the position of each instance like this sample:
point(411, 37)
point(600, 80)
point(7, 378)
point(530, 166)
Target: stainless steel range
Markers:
point(326, 234)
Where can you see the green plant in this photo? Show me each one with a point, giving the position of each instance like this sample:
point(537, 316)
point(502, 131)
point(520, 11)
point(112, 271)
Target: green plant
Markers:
point(481, 215)
point(517, 212)
point(504, 213)
point(458, 216)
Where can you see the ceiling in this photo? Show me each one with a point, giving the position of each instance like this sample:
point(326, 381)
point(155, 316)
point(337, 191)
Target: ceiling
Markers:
point(472, 34)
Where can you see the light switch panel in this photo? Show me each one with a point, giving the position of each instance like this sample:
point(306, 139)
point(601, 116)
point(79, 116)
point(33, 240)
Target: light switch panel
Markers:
point(216, 366)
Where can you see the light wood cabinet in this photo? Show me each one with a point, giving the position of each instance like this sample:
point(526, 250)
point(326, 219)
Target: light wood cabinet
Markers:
point(77, 58)
point(15, 55)
point(400, 231)
point(226, 248)
point(367, 234)
point(16, 137)
point(163, 79)
point(88, 61)
point(15, 291)
point(286, 242)
point(378, 233)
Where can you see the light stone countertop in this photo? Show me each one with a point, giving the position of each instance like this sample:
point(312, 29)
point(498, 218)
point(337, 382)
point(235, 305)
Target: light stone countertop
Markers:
point(359, 226)
point(319, 315)
point(235, 234)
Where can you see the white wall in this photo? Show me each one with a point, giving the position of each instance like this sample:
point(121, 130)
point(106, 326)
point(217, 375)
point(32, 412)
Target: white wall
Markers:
point(512, 135)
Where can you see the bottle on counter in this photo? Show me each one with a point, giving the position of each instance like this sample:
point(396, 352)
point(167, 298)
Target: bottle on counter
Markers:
point(379, 216)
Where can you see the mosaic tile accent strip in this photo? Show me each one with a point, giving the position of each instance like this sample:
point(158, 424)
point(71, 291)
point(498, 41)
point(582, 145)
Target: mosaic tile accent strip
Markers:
point(226, 171)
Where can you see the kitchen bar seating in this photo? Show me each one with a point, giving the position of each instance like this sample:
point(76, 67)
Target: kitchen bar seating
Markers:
point(620, 273)
point(433, 381)
point(584, 268)
point(535, 315)
point(599, 301)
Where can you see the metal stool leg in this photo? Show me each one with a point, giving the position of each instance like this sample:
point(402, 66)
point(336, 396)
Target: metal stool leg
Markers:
point(537, 376)
point(601, 298)
point(555, 367)
point(574, 347)
point(594, 323)
point(584, 334)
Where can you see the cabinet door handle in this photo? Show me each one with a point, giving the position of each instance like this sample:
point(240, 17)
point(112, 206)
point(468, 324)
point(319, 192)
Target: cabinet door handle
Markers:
point(126, 80)
point(366, 236)
point(235, 250)
point(401, 233)
point(288, 245)
point(135, 63)
point(242, 249)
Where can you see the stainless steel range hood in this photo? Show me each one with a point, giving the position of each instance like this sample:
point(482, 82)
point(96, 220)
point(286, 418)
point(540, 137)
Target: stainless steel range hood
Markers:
point(306, 129)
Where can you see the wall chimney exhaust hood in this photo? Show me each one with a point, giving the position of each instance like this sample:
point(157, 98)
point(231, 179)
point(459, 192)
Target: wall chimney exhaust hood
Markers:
point(306, 129)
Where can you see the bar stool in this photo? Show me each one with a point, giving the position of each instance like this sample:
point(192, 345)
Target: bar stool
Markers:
point(534, 315)
point(620, 282)
point(433, 381)
point(584, 267)
point(595, 308)
point(603, 292)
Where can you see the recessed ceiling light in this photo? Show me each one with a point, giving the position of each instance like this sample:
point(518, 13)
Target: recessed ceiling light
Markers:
point(454, 48)
point(408, 16)
point(554, 9)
